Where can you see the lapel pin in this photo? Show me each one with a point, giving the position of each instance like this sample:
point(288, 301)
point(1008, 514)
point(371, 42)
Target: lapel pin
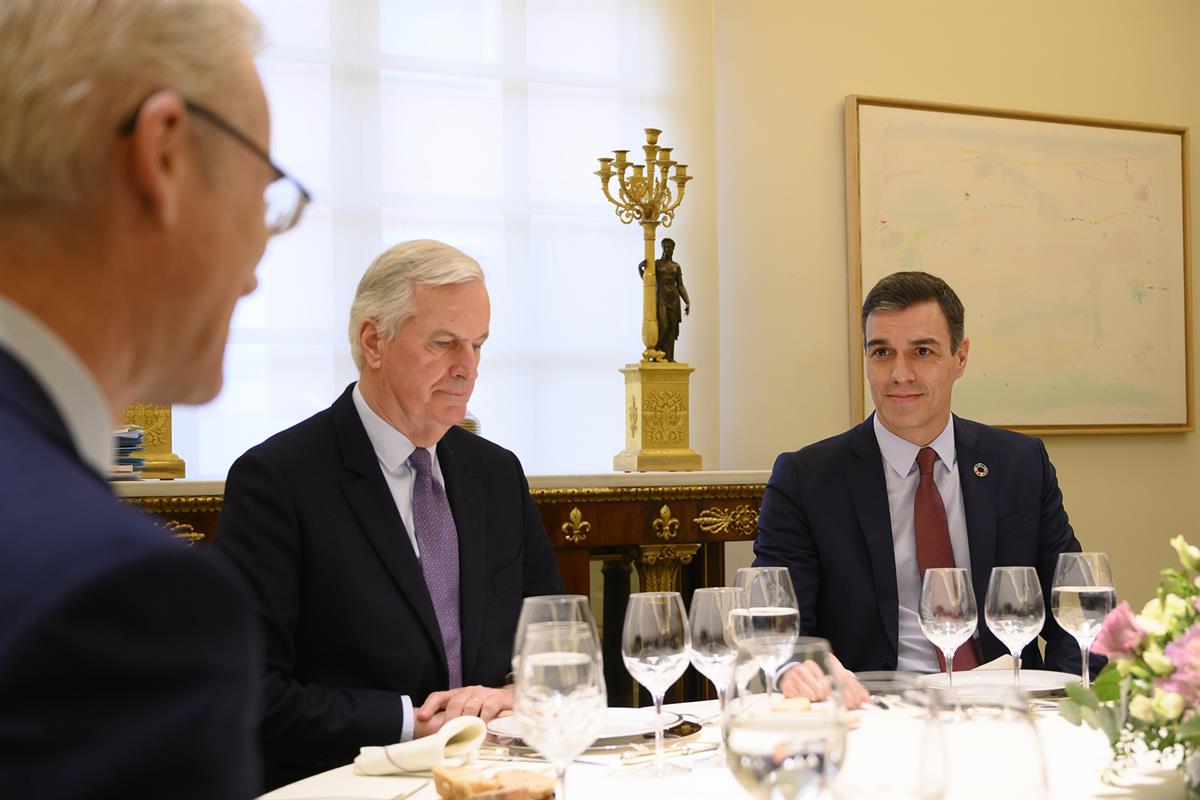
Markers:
point(980, 469)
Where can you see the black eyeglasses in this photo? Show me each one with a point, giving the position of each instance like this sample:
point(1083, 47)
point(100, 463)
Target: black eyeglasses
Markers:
point(284, 198)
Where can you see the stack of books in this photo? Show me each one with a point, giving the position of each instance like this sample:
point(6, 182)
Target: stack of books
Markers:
point(128, 458)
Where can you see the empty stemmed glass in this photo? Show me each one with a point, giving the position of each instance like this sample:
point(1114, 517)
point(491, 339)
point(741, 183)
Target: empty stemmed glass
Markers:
point(770, 622)
point(1082, 594)
point(714, 648)
point(947, 614)
point(558, 695)
point(1015, 610)
point(654, 645)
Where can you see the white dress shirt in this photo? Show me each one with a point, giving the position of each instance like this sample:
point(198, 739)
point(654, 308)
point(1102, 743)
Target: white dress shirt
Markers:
point(63, 376)
point(393, 448)
point(902, 477)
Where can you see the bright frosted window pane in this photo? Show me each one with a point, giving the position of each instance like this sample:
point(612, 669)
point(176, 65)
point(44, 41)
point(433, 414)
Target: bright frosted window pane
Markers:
point(589, 304)
point(295, 280)
point(447, 29)
point(293, 23)
point(441, 135)
point(580, 36)
point(569, 128)
point(299, 98)
point(267, 388)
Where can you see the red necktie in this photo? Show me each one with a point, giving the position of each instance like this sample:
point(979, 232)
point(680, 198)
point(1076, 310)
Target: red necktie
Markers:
point(933, 542)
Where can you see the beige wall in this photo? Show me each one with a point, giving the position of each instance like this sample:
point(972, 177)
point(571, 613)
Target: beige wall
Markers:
point(781, 72)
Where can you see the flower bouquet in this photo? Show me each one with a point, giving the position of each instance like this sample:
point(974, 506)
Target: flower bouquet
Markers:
point(1147, 698)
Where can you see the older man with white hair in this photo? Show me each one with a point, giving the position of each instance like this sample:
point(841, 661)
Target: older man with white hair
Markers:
point(133, 186)
point(390, 550)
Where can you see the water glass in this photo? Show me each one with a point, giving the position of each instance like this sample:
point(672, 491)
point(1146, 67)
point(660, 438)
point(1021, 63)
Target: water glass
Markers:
point(784, 748)
point(1082, 594)
point(770, 622)
point(989, 747)
point(558, 695)
point(1015, 610)
point(552, 608)
point(654, 646)
point(947, 611)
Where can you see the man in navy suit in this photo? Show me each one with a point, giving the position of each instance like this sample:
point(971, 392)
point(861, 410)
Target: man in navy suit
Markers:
point(132, 180)
point(840, 514)
point(377, 631)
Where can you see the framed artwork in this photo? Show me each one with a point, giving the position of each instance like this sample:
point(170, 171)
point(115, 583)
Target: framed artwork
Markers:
point(1066, 239)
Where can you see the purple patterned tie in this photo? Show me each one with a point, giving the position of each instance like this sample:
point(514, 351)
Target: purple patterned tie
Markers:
point(437, 539)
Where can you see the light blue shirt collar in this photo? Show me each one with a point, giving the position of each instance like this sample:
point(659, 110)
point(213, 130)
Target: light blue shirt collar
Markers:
point(901, 454)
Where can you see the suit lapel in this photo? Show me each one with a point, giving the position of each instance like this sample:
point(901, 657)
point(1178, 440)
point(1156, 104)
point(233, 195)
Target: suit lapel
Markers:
point(979, 505)
point(369, 498)
point(21, 391)
point(464, 491)
point(868, 491)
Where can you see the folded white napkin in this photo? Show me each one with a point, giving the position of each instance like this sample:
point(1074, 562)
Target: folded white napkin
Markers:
point(458, 737)
point(1003, 662)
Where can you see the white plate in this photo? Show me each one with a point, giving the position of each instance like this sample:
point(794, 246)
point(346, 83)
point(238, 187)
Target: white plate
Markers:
point(619, 723)
point(1034, 681)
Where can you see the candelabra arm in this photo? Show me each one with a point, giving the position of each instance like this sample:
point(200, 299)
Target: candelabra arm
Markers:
point(608, 194)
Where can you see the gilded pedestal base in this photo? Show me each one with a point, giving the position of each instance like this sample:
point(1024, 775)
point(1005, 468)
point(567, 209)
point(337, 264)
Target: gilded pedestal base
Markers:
point(156, 445)
point(656, 419)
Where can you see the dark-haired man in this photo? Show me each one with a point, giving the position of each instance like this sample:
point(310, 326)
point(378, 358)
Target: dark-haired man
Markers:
point(859, 518)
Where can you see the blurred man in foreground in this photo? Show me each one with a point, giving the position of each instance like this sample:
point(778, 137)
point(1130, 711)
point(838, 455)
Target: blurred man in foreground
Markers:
point(132, 177)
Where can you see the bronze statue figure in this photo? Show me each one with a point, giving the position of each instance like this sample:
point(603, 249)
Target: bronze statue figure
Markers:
point(668, 277)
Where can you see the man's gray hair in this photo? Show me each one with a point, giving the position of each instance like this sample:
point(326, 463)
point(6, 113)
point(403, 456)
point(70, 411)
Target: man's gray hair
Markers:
point(385, 293)
point(72, 70)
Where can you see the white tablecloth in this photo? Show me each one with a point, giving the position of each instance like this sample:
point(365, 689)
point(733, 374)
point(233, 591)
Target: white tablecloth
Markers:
point(875, 766)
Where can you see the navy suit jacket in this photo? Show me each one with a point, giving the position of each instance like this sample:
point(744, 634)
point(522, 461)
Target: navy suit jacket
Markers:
point(127, 661)
point(825, 516)
point(349, 624)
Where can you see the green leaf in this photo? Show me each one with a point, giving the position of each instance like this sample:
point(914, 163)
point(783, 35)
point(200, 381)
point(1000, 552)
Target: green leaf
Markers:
point(1089, 716)
point(1070, 711)
point(1107, 685)
point(1108, 723)
point(1190, 731)
point(1084, 697)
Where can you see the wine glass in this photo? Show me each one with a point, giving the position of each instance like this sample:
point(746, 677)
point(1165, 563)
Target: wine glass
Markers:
point(1082, 594)
point(1015, 610)
point(654, 646)
point(947, 614)
point(784, 748)
point(552, 608)
point(770, 622)
point(714, 649)
point(558, 695)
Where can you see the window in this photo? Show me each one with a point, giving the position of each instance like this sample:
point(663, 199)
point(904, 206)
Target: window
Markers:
point(476, 123)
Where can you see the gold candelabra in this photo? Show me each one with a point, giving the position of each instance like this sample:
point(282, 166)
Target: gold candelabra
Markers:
point(644, 194)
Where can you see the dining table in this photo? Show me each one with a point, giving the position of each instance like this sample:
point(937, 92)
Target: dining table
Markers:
point(883, 745)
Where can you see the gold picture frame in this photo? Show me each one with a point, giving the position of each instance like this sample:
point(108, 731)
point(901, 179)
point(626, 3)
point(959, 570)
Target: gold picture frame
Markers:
point(1067, 239)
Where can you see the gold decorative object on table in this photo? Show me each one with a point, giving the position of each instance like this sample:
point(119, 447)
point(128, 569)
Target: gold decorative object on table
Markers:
point(656, 389)
point(155, 420)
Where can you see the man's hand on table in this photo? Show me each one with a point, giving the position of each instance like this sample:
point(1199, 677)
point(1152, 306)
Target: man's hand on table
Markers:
point(807, 680)
point(474, 701)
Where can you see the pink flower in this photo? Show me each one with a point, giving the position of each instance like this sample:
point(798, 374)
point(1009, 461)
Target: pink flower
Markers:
point(1119, 635)
point(1184, 653)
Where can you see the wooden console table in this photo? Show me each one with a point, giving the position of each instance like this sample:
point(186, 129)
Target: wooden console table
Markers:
point(669, 527)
